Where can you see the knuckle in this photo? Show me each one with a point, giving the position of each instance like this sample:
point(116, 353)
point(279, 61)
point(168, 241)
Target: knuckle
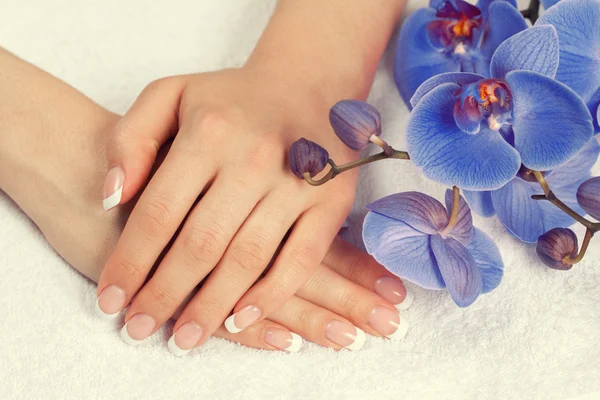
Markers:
point(202, 243)
point(349, 300)
point(163, 299)
point(264, 154)
point(156, 217)
point(157, 84)
point(249, 255)
point(129, 269)
point(302, 259)
point(209, 312)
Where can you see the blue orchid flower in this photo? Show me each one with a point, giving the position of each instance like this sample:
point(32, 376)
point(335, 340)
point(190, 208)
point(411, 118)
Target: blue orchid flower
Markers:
point(452, 36)
point(409, 234)
point(476, 133)
point(577, 23)
point(528, 219)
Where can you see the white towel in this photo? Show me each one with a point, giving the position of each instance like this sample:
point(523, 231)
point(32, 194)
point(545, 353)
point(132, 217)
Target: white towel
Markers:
point(536, 336)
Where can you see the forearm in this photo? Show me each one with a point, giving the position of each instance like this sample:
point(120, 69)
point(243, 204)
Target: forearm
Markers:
point(45, 125)
point(330, 48)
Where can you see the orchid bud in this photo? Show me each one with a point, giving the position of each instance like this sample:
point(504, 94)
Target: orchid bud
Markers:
point(306, 156)
point(555, 245)
point(356, 123)
point(588, 197)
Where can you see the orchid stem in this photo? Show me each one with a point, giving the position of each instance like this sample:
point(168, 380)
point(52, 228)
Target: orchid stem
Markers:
point(338, 169)
point(584, 246)
point(551, 197)
point(454, 213)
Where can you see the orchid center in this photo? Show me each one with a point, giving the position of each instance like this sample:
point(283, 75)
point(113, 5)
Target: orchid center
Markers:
point(456, 28)
point(488, 101)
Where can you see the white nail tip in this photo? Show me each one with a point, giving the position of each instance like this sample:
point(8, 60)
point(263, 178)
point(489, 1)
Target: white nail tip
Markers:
point(407, 302)
point(176, 350)
point(128, 339)
point(401, 331)
point(230, 325)
point(359, 341)
point(112, 200)
point(103, 315)
point(296, 344)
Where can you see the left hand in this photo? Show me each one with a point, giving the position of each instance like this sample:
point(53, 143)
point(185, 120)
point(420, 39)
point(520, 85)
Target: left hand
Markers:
point(234, 130)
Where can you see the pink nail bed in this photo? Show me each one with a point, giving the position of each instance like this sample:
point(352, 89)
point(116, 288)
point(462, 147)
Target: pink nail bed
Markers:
point(345, 334)
point(113, 188)
point(110, 302)
point(185, 338)
point(393, 291)
point(283, 339)
point(138, 328)
point(242, 319)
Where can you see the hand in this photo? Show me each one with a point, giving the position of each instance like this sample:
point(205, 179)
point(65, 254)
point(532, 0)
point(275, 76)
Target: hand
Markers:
point(59, 154)
point(234, 129)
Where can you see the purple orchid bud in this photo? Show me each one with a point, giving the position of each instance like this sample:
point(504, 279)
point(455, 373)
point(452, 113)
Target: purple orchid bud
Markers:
point(555, 245)
point(588, 197)
point(356, 123)
point(306, 156)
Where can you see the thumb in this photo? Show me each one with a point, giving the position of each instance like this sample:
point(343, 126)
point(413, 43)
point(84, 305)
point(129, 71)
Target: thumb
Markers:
point(134, 143)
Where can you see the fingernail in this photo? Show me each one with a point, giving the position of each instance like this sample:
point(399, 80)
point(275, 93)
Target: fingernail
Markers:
point(242, 319)
point(138, 328)
point(113, 188)
point(185, 339)
point(110, 302)
point(345, 335)
point(283, 340)
point(388, 323)
point(394, 291)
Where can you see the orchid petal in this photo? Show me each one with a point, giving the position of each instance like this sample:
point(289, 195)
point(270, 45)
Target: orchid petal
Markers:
point(534, 49)
point(549, 3)
point(551, 123)
point(459, 270)
point(460, 78)
point(463, 231)
point(489, 261)
point(401, 249)
point(525, 218)
point(420, 211)
point(448, 155)
point(416, 60)
point(484, 6)
point(578, 28)
point(505, 20)
point(480, 202)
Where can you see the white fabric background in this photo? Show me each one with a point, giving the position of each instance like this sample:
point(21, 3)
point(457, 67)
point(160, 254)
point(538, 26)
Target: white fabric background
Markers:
point(537, 336)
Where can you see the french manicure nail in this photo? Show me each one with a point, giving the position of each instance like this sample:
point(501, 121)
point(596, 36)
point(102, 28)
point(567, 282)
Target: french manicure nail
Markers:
point(283, 340)
point(388, 323)
point(113, 188)
point(138, 328)
point(110, 302)
point(185, 339)
point(242, 319)
point(345, 335)
point(394, 291)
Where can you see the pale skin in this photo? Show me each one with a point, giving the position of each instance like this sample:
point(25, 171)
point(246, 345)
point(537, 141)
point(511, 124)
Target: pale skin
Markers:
point(52, 164)
point(231, 131)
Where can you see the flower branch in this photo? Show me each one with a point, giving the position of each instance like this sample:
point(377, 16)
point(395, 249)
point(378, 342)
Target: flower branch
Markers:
point(338, 169)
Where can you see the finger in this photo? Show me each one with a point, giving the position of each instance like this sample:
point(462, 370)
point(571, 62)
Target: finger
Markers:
point(196, 251)
point(154, 220)
point(361, 268)
point(365, 309)
point(245, 259)
point(132, 148)
point(296, 262)
point(266, 335)
point(319, 325)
